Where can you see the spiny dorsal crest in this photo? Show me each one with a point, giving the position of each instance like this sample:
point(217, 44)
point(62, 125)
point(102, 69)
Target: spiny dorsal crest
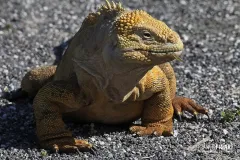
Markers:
point(110, 6)
point(109, 9)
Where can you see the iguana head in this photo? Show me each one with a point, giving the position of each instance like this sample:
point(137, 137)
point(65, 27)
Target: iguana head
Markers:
point(146, 40)
point(116, 47)
point(130, 36)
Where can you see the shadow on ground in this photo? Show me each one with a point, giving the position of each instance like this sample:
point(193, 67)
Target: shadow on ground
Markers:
point(18, 127)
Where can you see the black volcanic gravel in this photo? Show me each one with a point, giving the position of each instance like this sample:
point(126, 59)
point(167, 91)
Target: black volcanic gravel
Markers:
point(209, 73)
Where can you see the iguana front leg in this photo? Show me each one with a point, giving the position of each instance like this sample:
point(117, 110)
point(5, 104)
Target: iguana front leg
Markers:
point(50, 103)
point(180, 104)
point(157, 114)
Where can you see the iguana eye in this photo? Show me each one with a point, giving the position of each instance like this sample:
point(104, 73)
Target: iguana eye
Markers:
point(147, 35)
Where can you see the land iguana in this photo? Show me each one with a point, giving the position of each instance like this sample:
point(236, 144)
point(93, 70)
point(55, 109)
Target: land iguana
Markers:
point(115, 70)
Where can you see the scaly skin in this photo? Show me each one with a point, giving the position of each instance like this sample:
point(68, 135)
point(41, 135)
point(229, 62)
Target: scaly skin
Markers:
point(115, 70)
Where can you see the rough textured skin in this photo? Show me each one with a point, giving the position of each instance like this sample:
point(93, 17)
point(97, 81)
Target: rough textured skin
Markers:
point(115, 70)
point(36, 78)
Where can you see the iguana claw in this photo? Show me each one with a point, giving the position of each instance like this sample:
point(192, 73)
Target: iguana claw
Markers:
point(195, 115)
point(179, 115)
point(69, 147)
point(181, 104)
point(93, 151)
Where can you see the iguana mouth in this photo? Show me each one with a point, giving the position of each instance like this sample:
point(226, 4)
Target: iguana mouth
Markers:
point(175, 54)
point(158, 53)
point(155, 51)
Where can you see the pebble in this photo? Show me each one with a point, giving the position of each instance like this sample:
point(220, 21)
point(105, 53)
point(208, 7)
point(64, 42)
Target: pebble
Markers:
point(101, 143)
point(225, 131)
point(205, 130)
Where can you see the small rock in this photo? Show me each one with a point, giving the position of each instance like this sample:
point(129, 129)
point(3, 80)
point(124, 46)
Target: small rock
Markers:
point(210, 112)
point(185, 37)
point(110, 155)
point(225, 131)
point(101, 143)
point(175, 133)
point(205, 130)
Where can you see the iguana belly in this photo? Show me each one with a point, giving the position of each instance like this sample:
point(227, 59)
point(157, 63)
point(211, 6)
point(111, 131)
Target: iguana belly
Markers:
point(108, 113)
point(102, 110)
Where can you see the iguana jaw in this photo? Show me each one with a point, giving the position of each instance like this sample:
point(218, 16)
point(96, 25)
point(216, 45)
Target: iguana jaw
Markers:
point(166, 49)
point(151, 56)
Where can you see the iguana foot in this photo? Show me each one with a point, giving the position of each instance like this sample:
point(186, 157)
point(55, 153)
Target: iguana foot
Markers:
point(71, 146)
point(181, 104)
point(158, 129)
